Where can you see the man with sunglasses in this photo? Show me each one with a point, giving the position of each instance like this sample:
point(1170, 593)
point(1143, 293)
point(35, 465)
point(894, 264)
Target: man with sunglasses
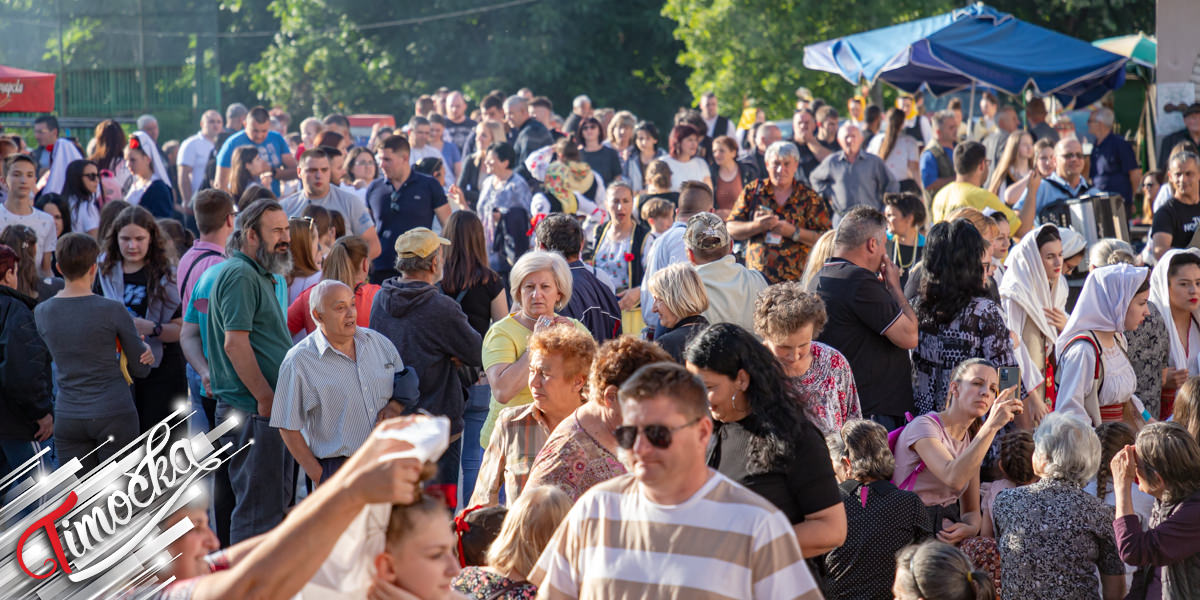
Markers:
point(644, 534)
point(1065, 183)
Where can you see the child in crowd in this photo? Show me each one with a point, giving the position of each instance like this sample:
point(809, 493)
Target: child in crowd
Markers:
point(1016, 468)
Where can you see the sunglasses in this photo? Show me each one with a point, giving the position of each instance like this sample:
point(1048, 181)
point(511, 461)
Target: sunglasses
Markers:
point(91, 176)
point(1070, 155)
point(306, 220)
point(659, 436)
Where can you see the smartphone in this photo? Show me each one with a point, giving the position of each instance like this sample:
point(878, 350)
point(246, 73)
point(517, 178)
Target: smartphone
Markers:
point(1009, 377)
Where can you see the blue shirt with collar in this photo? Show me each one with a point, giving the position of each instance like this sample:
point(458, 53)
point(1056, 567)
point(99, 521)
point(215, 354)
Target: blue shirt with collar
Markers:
point(397, 211)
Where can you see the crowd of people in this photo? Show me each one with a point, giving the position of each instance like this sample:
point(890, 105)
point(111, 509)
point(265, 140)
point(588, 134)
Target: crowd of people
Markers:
point(676, 361)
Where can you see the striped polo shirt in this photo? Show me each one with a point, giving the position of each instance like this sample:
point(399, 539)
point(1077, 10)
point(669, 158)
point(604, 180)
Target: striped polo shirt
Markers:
point(725, 542)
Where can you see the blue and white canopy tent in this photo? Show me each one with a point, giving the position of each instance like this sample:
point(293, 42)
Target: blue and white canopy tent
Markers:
point(973, 46)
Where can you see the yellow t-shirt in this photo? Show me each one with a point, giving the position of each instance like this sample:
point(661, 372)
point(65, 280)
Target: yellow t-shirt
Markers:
point(958, 194)
point(504, 343)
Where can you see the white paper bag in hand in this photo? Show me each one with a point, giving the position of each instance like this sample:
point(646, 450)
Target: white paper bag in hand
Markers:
point(350, 567)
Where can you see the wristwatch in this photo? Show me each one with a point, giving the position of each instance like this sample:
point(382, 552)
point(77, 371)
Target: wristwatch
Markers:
point(796, 235)
point(157, 330)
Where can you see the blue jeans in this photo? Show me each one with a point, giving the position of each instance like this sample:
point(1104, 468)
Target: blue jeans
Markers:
point(262, 475)
point(474, 415)
point(199, 422)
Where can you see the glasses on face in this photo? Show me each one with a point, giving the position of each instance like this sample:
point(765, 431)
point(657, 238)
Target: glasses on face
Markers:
point(1073, 155)
point(362, 162)
point(91, 176)
point(659, 436)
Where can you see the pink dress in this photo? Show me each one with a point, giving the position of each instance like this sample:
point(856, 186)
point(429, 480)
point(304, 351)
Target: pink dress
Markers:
point(573, 461)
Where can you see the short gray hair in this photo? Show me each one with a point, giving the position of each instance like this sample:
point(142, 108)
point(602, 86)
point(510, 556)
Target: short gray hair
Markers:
point(541, 260)
point(316, 298)
point(1104, 115)
point(417, 264)
point(236, 110)
point(763, 129)
point(1067, 448)
point(579, 100)
point(145, 120)
point(514, 101)
point(942, 116)
point(860, 225)
point(781, 150)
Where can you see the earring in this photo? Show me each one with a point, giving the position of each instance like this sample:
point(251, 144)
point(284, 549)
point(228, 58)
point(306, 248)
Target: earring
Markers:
point(733, 401)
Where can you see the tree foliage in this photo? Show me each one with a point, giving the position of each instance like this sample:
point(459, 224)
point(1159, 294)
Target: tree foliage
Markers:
point(754, 49)
point(322, 60)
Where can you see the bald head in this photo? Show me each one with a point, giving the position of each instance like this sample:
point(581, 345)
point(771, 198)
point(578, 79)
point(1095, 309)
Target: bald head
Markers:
point(211, 124)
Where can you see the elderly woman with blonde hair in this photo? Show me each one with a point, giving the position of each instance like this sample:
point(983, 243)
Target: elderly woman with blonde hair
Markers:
point(582, 451)
point(789, 319)
point(679, 298)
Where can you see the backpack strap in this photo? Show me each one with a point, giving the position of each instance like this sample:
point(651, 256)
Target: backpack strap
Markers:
point(911, 481)
point(192, 267)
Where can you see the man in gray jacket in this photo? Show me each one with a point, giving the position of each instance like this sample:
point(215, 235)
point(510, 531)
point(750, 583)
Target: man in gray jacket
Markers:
point(431, 332)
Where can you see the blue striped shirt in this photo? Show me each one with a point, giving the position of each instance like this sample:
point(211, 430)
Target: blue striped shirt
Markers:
point(330, 398)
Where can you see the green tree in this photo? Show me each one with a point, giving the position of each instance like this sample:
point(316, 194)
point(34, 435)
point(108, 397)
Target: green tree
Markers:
point(754, 49)
point(329, 54)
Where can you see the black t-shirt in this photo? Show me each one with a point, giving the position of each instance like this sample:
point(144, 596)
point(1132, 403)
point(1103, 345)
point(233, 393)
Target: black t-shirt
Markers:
point(808, 160)
point(859, 310)
point(477, 303)
point(1179, 220)
point(605, 161)
point(137, 293)
point(798, 485)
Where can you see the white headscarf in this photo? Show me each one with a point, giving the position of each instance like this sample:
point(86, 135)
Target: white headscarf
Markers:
point(147, 146)
point(1072, 243)
point(64, 154)
point(1026, 283)
point(1103, 302)
point(1160, 295)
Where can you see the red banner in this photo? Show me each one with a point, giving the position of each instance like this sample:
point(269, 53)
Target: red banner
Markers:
point(26, 91)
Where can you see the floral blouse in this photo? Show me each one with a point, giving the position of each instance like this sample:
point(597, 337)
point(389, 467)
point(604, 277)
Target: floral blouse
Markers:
point(785, 260)
point(612, 257)
point(831, 398)
point(480, 584)
point(977, 332)
point(573, 461)
point(1149, 352)
point(1053, 536)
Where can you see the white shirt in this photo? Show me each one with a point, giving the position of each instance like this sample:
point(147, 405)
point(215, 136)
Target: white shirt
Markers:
point(692, 170)
point(712, 125)
point(40, 222)
point(194, 152)
point(903, 152)
point(416, 154)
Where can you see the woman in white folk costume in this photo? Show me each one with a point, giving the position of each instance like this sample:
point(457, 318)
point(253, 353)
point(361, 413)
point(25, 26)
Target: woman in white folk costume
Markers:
point(1032, 280)
point(1175, 292)
point(1114, 300)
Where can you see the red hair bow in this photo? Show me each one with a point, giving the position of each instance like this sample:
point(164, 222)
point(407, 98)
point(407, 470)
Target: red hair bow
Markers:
point(135, 143)
point(461, 526)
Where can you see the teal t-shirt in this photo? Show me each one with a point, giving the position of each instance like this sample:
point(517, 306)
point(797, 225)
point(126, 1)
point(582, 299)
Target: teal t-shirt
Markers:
point(196, 312)
point(243, 297)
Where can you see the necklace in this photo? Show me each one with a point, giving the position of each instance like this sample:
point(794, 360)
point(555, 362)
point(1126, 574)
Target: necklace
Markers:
point(896, 256)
